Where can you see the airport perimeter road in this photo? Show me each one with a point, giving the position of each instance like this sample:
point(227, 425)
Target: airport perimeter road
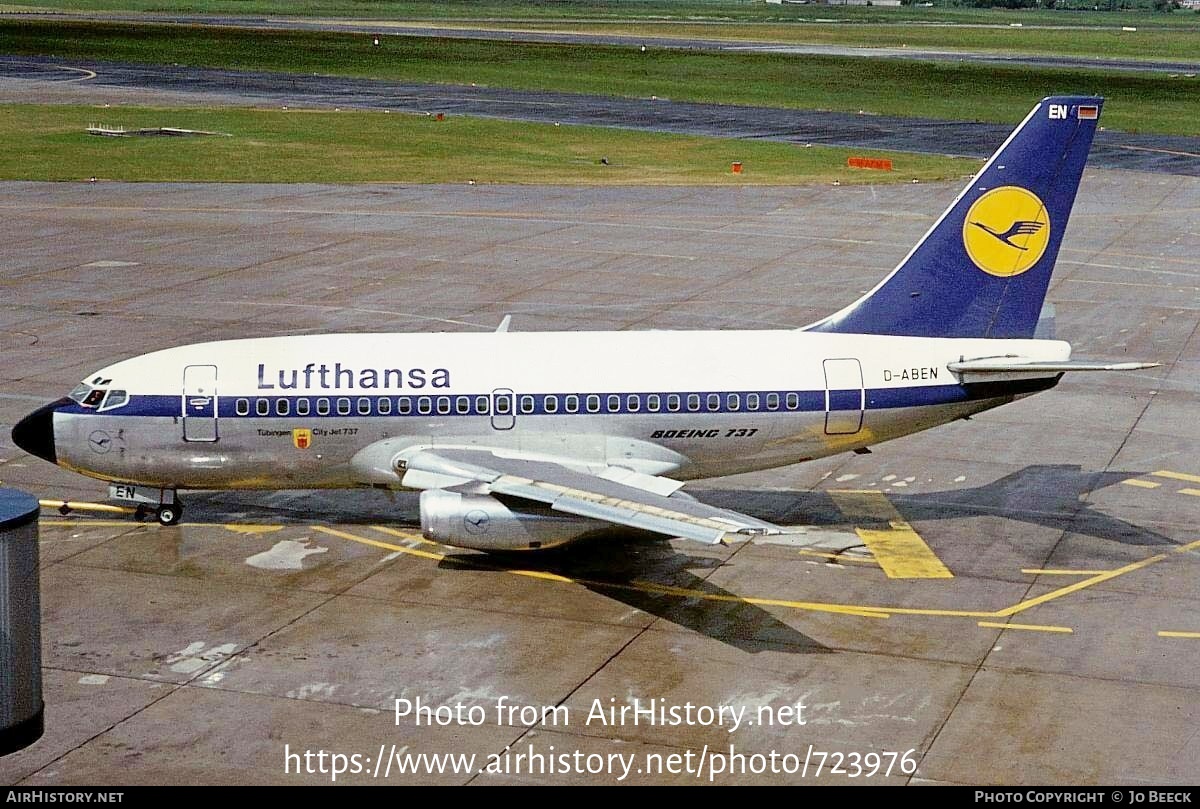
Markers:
point(506, 32)
point(42, 80)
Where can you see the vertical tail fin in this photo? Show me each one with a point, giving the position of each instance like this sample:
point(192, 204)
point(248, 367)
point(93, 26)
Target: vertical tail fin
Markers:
point(983, 268)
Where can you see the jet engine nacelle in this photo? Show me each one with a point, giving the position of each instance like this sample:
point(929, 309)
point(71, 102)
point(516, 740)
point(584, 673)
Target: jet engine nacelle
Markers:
point(483, 523)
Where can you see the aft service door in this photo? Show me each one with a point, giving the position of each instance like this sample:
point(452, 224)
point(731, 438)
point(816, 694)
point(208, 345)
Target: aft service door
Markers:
point(503, 409)
point(844, 397)
point(200, 403)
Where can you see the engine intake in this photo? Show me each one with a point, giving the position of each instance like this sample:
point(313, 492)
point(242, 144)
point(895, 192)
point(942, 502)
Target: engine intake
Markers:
point(483, 523)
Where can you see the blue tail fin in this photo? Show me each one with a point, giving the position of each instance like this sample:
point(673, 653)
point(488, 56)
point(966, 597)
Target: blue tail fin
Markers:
point(983, 268)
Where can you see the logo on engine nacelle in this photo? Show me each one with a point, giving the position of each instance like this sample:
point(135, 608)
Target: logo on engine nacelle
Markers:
point(476, 521)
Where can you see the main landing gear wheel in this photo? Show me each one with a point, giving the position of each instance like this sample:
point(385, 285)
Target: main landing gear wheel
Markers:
point(169, 515)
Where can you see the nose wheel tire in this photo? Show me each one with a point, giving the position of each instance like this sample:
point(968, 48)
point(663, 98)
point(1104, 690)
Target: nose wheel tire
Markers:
point(169, 515)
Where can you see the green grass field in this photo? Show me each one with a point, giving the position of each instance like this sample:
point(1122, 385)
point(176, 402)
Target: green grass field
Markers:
point(633, 10)
point(50, 143)
point(1137, 102)
point(1150, 43)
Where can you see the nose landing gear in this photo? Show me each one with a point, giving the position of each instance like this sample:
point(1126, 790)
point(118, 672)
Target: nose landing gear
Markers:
point(166, 515)
point(162, 503)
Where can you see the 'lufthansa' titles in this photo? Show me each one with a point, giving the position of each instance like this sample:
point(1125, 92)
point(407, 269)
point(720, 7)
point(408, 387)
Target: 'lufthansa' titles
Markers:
point(315, 376)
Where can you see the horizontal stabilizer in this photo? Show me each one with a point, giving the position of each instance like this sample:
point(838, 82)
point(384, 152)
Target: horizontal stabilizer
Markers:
point(1018, 365)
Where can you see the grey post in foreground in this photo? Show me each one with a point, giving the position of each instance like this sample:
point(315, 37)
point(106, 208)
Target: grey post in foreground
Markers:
point(20, 623)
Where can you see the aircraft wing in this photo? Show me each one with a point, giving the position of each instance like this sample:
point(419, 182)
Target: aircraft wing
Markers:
point(614, 495)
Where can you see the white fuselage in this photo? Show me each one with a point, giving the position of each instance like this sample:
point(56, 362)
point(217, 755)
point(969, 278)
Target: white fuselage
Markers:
point(694, 404)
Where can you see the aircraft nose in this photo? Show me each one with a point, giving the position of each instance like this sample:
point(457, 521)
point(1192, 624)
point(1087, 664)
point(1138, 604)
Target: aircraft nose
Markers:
point(35, 432)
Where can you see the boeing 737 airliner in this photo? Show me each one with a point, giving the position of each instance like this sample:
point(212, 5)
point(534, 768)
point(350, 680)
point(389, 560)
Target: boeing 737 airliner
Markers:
point(528, 440)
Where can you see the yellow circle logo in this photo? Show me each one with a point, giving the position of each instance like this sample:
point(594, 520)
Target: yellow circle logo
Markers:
point(1006, 231)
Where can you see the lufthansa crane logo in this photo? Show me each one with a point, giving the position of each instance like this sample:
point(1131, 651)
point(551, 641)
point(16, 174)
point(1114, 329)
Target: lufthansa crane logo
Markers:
point(1006, 231)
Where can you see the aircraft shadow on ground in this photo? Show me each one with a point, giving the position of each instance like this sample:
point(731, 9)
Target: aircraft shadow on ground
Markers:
point(628, 567)
point(1046, 495)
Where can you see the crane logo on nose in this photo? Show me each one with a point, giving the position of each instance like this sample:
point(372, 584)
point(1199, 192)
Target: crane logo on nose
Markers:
point(1006, 231)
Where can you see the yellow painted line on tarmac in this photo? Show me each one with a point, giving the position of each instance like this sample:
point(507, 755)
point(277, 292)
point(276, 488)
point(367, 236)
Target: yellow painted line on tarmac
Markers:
point(405, 535)
point(98, 523)
point(899, 549)
point(1191, 546)
point(1079, 585)
point(1144, 484)
point(73, 506)
point(844, 609)
point(1050, 571)
point(644, 587)
point(1172, 634)
point(437, 557)
point(250, 529)
point(839, 557)
point(1192, 492)
point(1166, 473)
point(1028, 627)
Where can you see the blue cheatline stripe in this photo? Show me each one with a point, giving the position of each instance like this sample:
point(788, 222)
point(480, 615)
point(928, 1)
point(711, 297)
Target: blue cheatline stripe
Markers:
point(542, 404)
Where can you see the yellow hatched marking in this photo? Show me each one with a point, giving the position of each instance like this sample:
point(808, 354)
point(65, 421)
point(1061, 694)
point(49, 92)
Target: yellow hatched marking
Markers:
point(899, 549)
point(1166, 473)
point(1028, 627)
point(1170, 634)
point(1049, 571)
point(1144, 484)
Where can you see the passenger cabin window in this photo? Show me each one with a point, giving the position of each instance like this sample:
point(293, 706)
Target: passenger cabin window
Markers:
point(693, 402)
point(752, 401)
point(772, 401)
point(503, 405)
point(322, 407)
point(424, 405)
point(714, 401)
point(633, 403)
point(526, 404)
point(593, 403)
point(614, 404)
point(653, 403)
point(673, 402)
point(242, 407)
point(384, 405)
point(733, 401)
point(364, 406)
point(282, 407)
point(443, 405)
point(262, 407)
point(572, 404)
point(483, 405)
point(404, 405)
point(793, 401)
point(343, 406)
point(550, 404)
point(463, 405)
point(302, 405)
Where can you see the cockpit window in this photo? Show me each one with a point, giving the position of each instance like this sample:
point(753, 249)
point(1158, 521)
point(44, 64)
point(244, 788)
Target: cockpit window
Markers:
point(115, 398)
point(96, 394)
